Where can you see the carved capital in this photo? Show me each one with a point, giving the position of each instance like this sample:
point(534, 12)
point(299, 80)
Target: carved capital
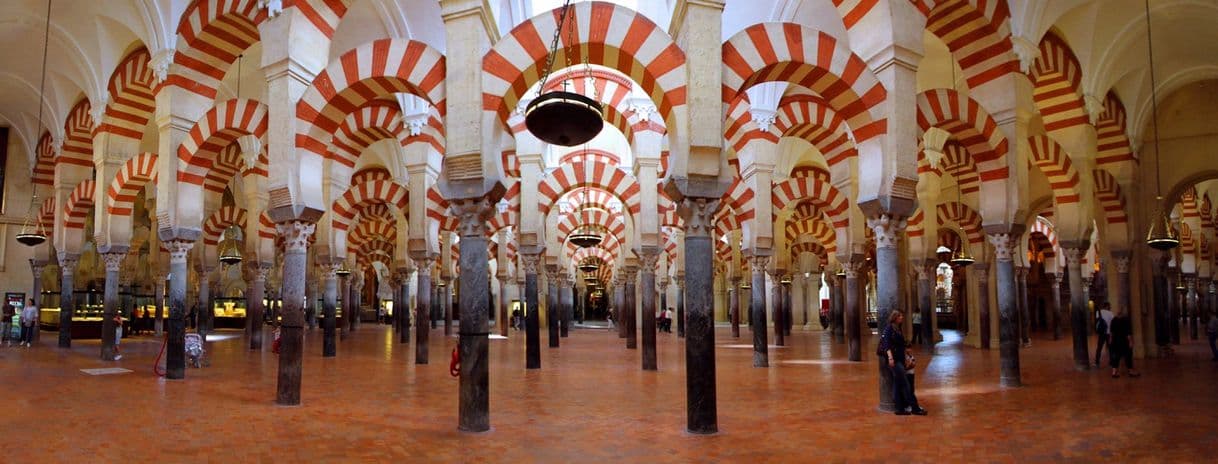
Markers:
point(1122, 264)
point(852, 269)
point(37, 269)
point(273, 7)
point(981, 272)
point(328, 271)
point(178, 249)
point(1074, 256)
point(648, 257)
point(415, 123)
point(887, 230)
point(160, 62)
point(1004, 245)
point(699, 215)
point(261, 271)
point(529, 262)
point(472, 215)
point(424, 266)
point(629, 274)
point(758, 263)
point(295, 235)
point(114, 261)
point(924, 271)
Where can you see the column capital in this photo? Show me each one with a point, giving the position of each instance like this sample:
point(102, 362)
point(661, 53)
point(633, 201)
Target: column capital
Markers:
point(529, 262)
point(295, 235)
point(1122, 262)
point(261, 271)
point(629, 273)
point(648, 257)
point(981, 272)
point(472, 215)
point(925, 270)
point(1074, 256)
point(178, 249)
point(114, 261)
point(424, 265)
point(699, 215)
point(758, 263)
point(852, 268)
point(36, 267)
point(1004, 244)
point(68, 262)
point(328, 270)
point(887, 229)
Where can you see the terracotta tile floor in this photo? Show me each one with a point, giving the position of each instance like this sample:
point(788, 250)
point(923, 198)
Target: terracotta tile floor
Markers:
point(592, 403)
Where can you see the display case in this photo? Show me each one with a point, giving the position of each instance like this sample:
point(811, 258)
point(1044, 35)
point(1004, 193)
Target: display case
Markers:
point(229, 313)
point(321, 314)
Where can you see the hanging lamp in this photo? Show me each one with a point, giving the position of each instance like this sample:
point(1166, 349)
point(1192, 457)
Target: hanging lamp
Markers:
point(586, 235)
point(961, 257)
point(589, 265)
point(33, 233)
point(344, 272)
point(563, 117)
point(1161, 235)
point(230, 253)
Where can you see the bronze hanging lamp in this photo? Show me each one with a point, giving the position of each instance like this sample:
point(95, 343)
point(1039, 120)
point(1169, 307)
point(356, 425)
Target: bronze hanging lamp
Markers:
point(1161, 235)
point(344, 272)
point(589, 265)
point(230, 252)
point(586, 235)
point(563, 117)
point(961, 257)
point(33, 232)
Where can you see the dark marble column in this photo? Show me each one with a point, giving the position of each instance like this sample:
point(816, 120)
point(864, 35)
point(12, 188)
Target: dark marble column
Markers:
point(787, 311)
point(1174, 304)
point(295, 236)
point(1005, 245)
point(852, 311)
point(159, 298)
point(553, 313)
point(114, 262)
point(837, 305)
point(648, 256)
point(1190, 304)
point(206, 311)
point(700, 392)
point(67, 300)
point(1055, 306)
point(1078, 305)
point(503, 317)
point(1023, 313)
point(619, 304)
point(354, 290)
point(630, 310)
point(446, 298)
point(757, 309)
point(887, 230)
point(175, 346)
point(436, 310)
point(423, 263)
point(344, 294)
point(681, 305)
point(532, 320)
point(473, 344)
point(36, 267)
point(329, 305)
point(311, 301)
point(734, 296)
point(981, 278)
point(1161, 292)
point(926, 287)
point(564, 304)
point(1121, 260)
point(253, 301)
point(777, 310)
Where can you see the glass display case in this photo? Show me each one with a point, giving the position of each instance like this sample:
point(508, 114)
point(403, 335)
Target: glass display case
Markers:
point(229, 313)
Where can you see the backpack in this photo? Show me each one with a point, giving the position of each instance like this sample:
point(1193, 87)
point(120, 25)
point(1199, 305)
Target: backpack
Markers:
point(1101, 326)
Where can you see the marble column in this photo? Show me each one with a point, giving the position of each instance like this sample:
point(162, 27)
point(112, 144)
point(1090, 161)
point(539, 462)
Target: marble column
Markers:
point(206, 312)
point(888, 230)
point(852, 311)
point(311, 302)
point(344, 294)
point(812, 297)
point(473, 343)
point(734, 298)
point(532, 322)
point(159, 298)
point(838, 306)
point(631, 309)
point(757, 310)
point(680, 306)
point(446, 297)
point(354, 290)
point(552, 311)
point(1174, 304)
point(1121, 260)
point(648, 256)
point(114, 262)
point(1005, 245)
point(253, 301)
point(700, 391)
point(423, 263)
point(619, 304)
point(926, 287)
point(787, 311)
point(292, 291)
point(1055, 306)
point(1190, 305)
point(402, 309)
point(777, 309)
point(564, 304)
point(1078, 306)
point(1161, 293)
point(981, 278)
point(329, 309)
point(503, 307)
point(67, 300)
point(175, 346)
point(36, 267)
point(1023, 313)
point(436, 310)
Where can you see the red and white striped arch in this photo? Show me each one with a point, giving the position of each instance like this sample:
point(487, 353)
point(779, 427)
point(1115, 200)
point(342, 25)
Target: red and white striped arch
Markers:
point(612, 89)
point(965, 217)
point(371, 229)
point(809, 247)
point(1053, 161)
point(805, 209)
point(814, 229)
point(46, 213)
point(812, 119)
point(949, 238)
point(227, 164)
point(962, 167)
point(217, 130)
point(584, 253)
point(322, 14)
point(132, 102)
point(372, 251)
point(374, 211)
point(1056, 77)
point(225, 217)
point(739, 128)
point(591, 155)
point(608, 220)
point(506, 219)
point(969, 124)
point(1188, 246)
point(44, 161)
point(377, 191)
point(738, 201)
point(374, 122)
point(977, 32)
point(588, 174)
point(815, 60)
point(137, 172)
point(1207, 213)
point(211, 34)
point(1112, 143)
point(77, 208)
point(914, 228)
point(78, 136)
point(368, 72)
point(726, 220)
point(821, 193)
point(608, 35)
point(1108, 191)
point(437, 210)
point(370, 174)
point(266, 228)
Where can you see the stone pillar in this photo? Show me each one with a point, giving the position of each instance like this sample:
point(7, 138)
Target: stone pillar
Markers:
point(114, 262)
point(778, 310)
point(852, 312)
point(888, 230)
point(787, 311)
point(344, 293)
point(734, 305)
point(1078, 306)
point(1190, 305)
point(1161, 293)
point(552, 311)
point(1005, 245)
point(680, 306)
point(1055, 306)
point(473, 343)
point(292, 291)
point(356, 290)
point(175, 347)
point(926, 287)
point(253, 301)
point(311, 302)
point(402, 309)
point(630, 316)
point(700, 391)
point(206, 312)
point(564, 304)
point(67, 300)
point(1174, 305)
point(619, 304)
point(446, 298)
point(981, 278)
point(647, 277)
point(159, 296)
point(329, 308)
point(503, 307)
point(532, 322)
point(837, 306)
point(423, 262)
point(1023, 313)
point(757, 310)
point(36, 267)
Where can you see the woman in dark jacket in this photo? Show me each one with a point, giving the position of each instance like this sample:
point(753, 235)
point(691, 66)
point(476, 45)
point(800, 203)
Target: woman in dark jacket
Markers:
point(1120, 344)
point(892, 345)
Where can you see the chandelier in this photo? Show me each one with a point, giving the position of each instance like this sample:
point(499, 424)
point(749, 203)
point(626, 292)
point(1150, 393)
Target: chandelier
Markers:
point(589, 265)
point(32, 231)
point(961, 257)
point(1161, 235)
point(344, 272)
point(230, 251)
point(563, 117)
point(587, 235)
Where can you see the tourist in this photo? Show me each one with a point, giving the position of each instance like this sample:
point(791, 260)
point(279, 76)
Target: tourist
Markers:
point(1102, 319)
point(917, 328)
point(892, 345)
point(1120, 344)
point(118, 335)
point(29, 321)
point(516, 319)
point(1211, 331)
point(7, 324)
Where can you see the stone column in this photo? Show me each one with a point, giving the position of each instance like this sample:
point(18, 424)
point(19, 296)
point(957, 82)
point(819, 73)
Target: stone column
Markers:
point(888, 230)
point(837, 306)
point(1055, 307)
point(1023, 314)
point(648, 256)
point(552, 311)
point(778, 309)
point(700, 391)
point(67, 300)
point(159, 297)
point(402, 309)
point(619, 304)
point(1190, 305)
point(630, 311)
point(1005, 245)
point(175, 347)
point(1078, 306)
point(292, 291)
point(788, 312)
point(503, 307)
point(532, 322)
point(436, 310)
point(473, 344)
point(1174, 304)
point(356, 290)
point(36, 267)
point(446, 298)
point(981, 278)
point(344, 293)
point(329, 308)
point(852, 312)
point(206, 312)
point(564, 304)
point(734, 298)
point(926, 287)
point(812, 297)
point(1121, 260)
point(757, 310)
point(253, 301)
point(680, 305)
point(114, 262)
point(423, 262)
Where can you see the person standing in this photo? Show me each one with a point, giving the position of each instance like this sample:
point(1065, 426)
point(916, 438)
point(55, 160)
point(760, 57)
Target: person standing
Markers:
point(29, 321)
point(892, 345)
point(917, 328)
point(6, 325)
point(1120, 346)
point(1211, 331)
point(118, 335)
point(1102, 320)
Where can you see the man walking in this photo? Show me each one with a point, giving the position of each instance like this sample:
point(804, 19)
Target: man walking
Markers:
point(29, 321)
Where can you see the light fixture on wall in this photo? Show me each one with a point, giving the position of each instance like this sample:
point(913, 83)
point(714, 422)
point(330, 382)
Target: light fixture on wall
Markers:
point(563, 117)
point(1161, 235)
point(33, 233)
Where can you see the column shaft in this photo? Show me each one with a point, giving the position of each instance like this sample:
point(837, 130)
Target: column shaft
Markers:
point(700, 393)
point(292, 291)
point(552, 311)
point(1055, 306)
point(565, 300)
point(473, 342)
point(631, 310)
point(1005, 245)
point(67, 300)
point(757, 311)
point(329, 308)
point(110, 301)
point(681, 307)
point(734, 298)
point(779, 311)
point(647, 278)
point(887, 230)
point(926, 271)
point(852, 313)
point(254, 301)
point(981, 274)
point(175, 347)
point(36, 294)
point(422, 309)
point(532, 319)
point(1078, 307)
point(503, 308)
